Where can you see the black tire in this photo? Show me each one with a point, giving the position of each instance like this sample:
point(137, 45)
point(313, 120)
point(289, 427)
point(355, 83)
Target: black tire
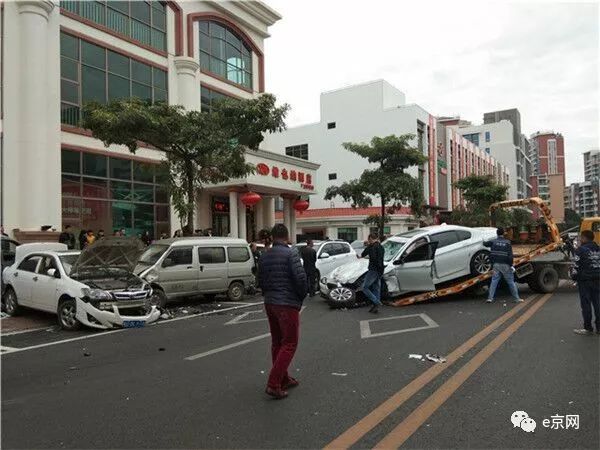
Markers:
point(10, 302)
point(480, 263)
point(235, 293)
point(544, 280)
point(158, 299)
point(341, 297)
point(66, 312)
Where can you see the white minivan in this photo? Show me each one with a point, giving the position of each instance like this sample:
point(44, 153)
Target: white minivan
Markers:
point(184, 267)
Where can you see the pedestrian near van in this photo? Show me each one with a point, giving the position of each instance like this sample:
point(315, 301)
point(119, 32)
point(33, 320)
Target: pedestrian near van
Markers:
point(372, 284)
point(283, 283)
point(309, 257)
point(68, 238)
point(587, 275)
point(501, 257)
point(89, 238)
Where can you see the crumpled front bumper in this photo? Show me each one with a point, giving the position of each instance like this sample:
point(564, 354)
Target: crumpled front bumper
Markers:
point(105, 319)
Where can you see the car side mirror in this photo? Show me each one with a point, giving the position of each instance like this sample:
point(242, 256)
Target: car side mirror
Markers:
point(168, 262)
point(324, 256)
point(53, 273)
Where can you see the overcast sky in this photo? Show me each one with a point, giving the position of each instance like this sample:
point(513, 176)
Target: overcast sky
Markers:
point(450, 57)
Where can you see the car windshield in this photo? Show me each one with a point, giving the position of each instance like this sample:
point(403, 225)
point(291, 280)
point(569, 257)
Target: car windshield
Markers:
point(68, 261)
point(152, 254)
point(391, 248)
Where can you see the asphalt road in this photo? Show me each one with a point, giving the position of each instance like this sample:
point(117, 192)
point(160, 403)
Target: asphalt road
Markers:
point(136, 389)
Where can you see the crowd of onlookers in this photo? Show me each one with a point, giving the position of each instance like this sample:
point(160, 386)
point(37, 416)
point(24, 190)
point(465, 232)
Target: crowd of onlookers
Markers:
point(88, 237)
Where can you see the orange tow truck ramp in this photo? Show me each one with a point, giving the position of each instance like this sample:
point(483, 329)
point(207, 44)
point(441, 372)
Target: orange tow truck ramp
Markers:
point(542, 275)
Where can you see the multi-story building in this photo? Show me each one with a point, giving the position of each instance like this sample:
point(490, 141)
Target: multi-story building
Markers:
point(591, 164)
point(583, 198)
point(547, 154)
point(357, 114)
point(497, 139)
point(58, 56)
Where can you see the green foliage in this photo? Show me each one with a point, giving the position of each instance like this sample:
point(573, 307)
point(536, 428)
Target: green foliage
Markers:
point(479, 192)
point(391, 155)
point(572, 219)
point(200, 148)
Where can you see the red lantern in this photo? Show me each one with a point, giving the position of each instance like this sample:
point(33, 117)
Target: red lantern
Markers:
point(250, 198)
point(301, 205)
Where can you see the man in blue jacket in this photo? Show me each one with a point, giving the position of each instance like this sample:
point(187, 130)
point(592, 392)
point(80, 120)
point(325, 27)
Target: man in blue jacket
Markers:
point(501, 257)
point(587, 275)
point(284, 285)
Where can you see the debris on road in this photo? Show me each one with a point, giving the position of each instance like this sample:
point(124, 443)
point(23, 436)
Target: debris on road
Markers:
point(335, 374)
point(161, 349)
point(415, 356)
point(435, 358)
point(165, 315)
point(3, 315)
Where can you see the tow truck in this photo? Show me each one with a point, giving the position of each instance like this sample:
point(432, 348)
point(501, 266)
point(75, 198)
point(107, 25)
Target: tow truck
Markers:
point(542, 257)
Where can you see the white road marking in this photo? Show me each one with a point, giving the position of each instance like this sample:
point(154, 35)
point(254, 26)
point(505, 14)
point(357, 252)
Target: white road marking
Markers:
point(242, 318)
point(105, 333)
point(365, 328)
point(227, 347)
point(4, 349)
point(29, 330)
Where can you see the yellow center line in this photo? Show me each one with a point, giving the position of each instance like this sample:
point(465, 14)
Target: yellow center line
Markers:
point(408, 426)
point(353, 434)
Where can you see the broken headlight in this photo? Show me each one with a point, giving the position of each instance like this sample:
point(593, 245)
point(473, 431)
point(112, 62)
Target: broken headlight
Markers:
point(96, 294)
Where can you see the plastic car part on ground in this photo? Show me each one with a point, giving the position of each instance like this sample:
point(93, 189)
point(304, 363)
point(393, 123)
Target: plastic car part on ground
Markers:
point(427, 357)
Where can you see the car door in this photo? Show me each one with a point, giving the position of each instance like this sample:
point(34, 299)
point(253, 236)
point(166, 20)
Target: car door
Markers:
point(239, 264)
point(22, 279)
point(213, 269)
point(413, 268)
point(346, 254)
point(451, 257)
point(44, 292)
point(179, 272)
point(326, 258)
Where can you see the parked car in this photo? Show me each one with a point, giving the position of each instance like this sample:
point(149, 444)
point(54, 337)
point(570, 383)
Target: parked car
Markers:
point(8, 252)
point(95, 287)
point(358, 246)
point(183, 267)
point(330, 255)
point(417, 260)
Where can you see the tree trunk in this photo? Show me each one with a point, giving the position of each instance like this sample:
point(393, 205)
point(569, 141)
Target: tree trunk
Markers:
point(191, 197)
point(382, 218)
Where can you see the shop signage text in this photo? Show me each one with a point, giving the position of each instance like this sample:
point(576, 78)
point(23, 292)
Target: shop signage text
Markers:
point(305, 179)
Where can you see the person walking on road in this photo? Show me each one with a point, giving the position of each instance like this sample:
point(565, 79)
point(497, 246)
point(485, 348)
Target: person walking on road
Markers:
point(501, 257)
point(283, 283)
point(587, 275)
point(68, 238)
point(309, 257)
point(372, 284)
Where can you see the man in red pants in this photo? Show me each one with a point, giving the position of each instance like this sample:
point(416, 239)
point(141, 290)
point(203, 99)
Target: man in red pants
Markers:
point(284, 286)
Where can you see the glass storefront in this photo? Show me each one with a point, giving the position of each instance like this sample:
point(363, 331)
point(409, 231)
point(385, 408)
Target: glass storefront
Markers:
point(110, 193)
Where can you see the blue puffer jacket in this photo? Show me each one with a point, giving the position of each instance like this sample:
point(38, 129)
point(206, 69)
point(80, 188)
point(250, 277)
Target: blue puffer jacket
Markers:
point(501, 251)
point(281, 276)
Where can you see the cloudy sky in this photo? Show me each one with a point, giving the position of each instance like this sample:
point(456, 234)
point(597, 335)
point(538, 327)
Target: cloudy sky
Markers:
point(451, 57)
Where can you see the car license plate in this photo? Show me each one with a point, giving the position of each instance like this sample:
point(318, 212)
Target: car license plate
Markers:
point(133, 323)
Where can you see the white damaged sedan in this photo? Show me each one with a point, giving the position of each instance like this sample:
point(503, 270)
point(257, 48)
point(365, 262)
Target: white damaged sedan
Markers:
point(95, 288)
point(415, 261)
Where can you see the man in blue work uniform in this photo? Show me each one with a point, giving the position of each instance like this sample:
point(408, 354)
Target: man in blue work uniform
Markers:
point(587, 275)
point(501, 257)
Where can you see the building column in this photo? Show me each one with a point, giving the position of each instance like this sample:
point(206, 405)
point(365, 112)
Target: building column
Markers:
point(241, 219)
point(233, 214)
point(37, 204)
point(188, 90)
point(259, 215)
point(286, 212)
point(269, 212)
point(293, 230)
point(203, 210)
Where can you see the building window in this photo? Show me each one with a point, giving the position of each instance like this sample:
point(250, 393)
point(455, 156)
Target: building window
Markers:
point(474, 138)
point(101, 192)
point(552, 157)
point(208, 97)
point(93, 73)
point(487, 150)
point(146, 22)
point(330, 125)
point(297, 151)
point(487, 136)
point(347, 234)
point(386, 230)
point(225, 54)
point(333, 176)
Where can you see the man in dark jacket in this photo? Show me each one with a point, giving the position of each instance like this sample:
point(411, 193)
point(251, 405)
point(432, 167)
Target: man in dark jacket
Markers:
point(309, 257)
point(66, 237)
point(283, 283)
point(501, 257)
point(372, 284)
point(587, 275)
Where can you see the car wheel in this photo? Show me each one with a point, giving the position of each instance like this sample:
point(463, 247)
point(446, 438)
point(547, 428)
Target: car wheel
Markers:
point(235, 292)
point(158, 299)
point(11, 304)
point(480, 263)
point(341, 297)
point(67, 315)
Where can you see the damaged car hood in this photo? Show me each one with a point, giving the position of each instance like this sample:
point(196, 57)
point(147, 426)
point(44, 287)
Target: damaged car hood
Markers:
point(110, 253)
point(349, 273)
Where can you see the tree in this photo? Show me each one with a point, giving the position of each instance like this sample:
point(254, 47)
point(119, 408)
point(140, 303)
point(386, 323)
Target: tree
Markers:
point(479, 192)
point(388, 181)
point(200, 148)
point(572, 219)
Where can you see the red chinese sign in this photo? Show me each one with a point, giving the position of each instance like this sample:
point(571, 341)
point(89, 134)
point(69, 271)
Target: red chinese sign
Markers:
point(305, 179)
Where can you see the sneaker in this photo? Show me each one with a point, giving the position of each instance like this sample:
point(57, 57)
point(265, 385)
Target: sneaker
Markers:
point(290, 383)
point(277, 394)
point(489, 300)
point(374, 309)
point(583, 332)
point(519, 300)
